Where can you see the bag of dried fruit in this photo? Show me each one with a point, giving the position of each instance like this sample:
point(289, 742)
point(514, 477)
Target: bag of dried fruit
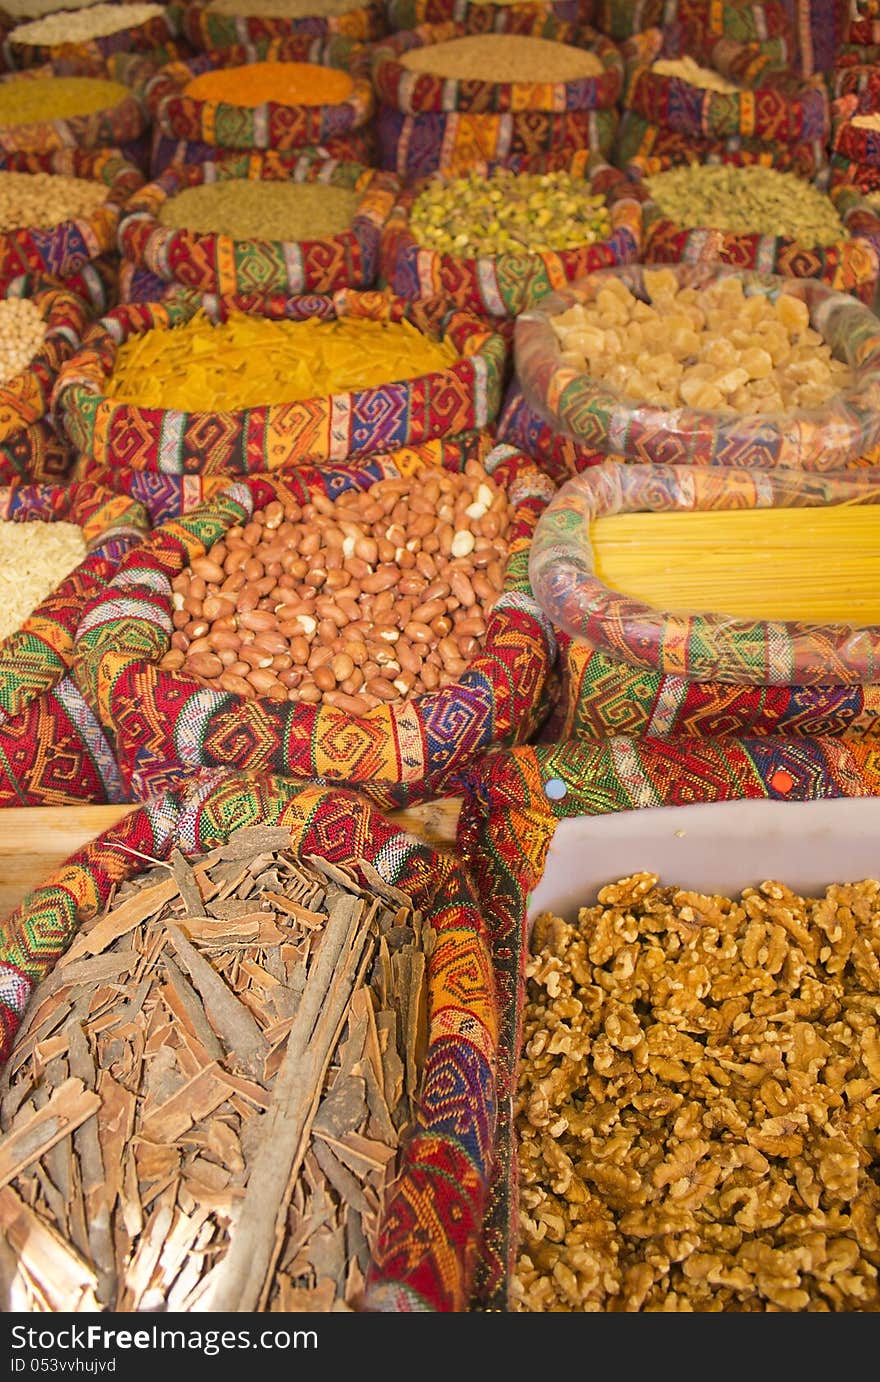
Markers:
point(224, 23)
point(598, 1009)
point(439, 112)
point(42, 325)
point(260, 223)
point(370, 625)
point(336, 986)
point(313, 378)
point(705, 364)
point(61, 546)
point(497, 241)
point(296, 93)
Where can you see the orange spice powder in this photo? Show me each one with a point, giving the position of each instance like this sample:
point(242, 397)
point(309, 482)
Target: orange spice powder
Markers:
point(287, 83)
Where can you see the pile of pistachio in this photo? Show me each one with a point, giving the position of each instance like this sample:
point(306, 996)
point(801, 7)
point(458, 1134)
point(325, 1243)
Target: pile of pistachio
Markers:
point(509, 213)
point(747, 200)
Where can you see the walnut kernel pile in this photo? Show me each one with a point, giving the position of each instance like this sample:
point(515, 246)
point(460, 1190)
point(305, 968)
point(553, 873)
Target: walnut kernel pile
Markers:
point(698, 1104)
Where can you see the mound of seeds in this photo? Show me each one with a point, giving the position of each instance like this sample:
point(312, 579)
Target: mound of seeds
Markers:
point(34, 559)
point(22, 332)
point(697, 1103)
point(216, 1120)
point(29, 100)
point(46, 199)
point(252, 209)
point(509, 213)
point(375, 597)
point(503, 58)
point(749, 201)
point(92, 21)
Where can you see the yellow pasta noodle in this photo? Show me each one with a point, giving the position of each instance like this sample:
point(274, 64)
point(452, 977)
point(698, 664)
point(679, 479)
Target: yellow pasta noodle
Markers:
point(819, 565)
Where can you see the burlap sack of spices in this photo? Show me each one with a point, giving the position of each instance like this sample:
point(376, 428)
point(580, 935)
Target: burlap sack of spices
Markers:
point(302, 262)
point(511, 810)
point(369, 1197)
point(618, 665)
point(52, 750)
point(31, 447)
point(166, 721)
point(459, 397)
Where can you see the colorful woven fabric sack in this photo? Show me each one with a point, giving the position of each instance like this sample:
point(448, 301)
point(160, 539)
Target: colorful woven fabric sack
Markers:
point(214, 263)
point(510, 813)
point(629, 668)
point(30, 446)
point(357, 147)
point(505, 284)
point(851, 143)
point(779, 107)
point(429, 1227)
point(426, 124)
point(208, 28)
point(641, 148)
point(834, 437)
point(111, 128)
point(52, 750)
point(463, 397)
point(822, 28)
point(850, 265)
point(166, 723)
point(522, 426)
point(620, 19)
point(557, 19)
point(63, 249)
point(157, 34)
point(223, 126)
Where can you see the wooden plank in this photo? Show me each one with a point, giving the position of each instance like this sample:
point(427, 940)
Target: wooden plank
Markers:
point(35, 840)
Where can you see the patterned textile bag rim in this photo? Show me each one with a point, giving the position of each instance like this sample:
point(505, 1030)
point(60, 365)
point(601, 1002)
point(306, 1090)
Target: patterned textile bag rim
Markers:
point(47, 634)
point(852, 142)
point(209, 262)
point(111, 126)
point(556, 19)
point(605, 420)
point(490, 282)
point(706, 646)
point(98, 426)
point(660, 148)
point(416, 93)
point(850, 265)
point(63, 248)
point(446, 1161)
point(157, 32)
point(191, 118)
point(513, 804)
point(25, 398)
point(115, 641)
point(208, 29)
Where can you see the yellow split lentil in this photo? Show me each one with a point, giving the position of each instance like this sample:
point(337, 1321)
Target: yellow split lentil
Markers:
point(22, 332)
point(503, 58)
point(46, 199)
point(508, 213)
point(34, 559)
point(250, 209)
point(26, 100)
point(750, 201)
point(252, 362)
point(93, 21)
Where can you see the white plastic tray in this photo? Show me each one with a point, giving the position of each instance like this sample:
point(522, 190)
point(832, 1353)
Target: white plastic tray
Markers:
point(721, 847)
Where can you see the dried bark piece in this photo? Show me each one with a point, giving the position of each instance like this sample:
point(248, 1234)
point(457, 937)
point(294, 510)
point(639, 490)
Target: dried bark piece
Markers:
point(70, 1105)
point(232, 1022)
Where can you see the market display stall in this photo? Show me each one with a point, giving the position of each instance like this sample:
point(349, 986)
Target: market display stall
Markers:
point(439, 656)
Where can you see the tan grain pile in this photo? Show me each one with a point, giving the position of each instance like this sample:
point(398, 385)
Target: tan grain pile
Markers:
point(22, 332)
point(34, 559)
point(92, 21)
point(250, 209)
point(697, 1103)
point(46, 199)
point(694, 74)
point(503, 58)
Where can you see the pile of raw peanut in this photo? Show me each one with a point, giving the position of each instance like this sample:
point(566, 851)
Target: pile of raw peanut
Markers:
point(716, 348)
point(374, 597)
